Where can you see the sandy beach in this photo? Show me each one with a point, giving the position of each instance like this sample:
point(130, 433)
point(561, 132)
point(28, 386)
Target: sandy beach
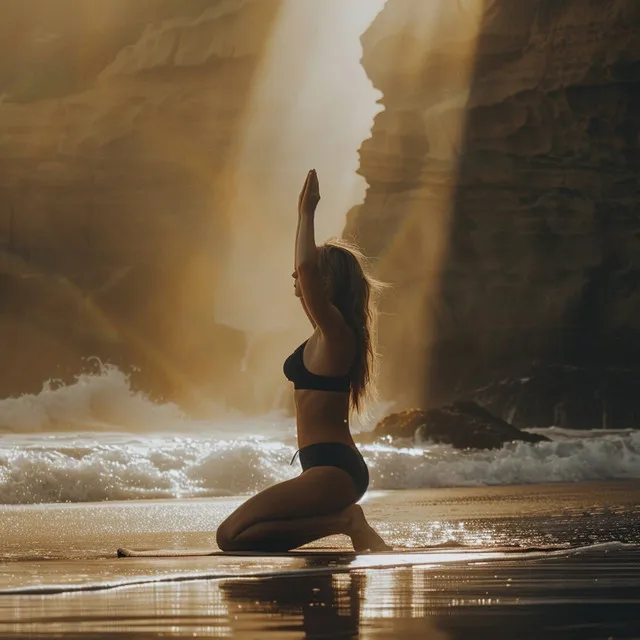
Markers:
point(238, 235)
point(60, 577)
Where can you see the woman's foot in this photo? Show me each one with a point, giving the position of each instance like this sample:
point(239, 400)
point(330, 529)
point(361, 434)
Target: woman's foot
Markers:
point(363, 537)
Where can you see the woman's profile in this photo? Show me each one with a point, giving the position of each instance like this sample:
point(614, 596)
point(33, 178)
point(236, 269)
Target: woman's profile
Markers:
point(330, 372)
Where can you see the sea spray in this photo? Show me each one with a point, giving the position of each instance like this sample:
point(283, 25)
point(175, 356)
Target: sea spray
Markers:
point(607, 457)
point(98, 439)
point(102, 401)
point(179, 467)
point(105, 401)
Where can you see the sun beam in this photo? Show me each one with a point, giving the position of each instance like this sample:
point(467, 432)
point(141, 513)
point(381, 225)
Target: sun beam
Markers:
point(312, 105)
point(426, 69)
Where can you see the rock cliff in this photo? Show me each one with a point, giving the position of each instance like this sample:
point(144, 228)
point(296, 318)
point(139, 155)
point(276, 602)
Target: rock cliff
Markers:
point(117, 145)
point(503, 175)
point(502, 203)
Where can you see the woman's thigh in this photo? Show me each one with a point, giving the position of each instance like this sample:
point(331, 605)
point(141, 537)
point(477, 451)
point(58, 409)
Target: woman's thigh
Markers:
point(318, 491)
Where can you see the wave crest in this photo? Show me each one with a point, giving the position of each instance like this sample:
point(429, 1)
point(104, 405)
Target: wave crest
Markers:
point(122, 467)
point(102, 401)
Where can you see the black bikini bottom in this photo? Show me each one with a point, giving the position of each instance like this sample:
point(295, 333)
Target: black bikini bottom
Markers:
point(337, 454)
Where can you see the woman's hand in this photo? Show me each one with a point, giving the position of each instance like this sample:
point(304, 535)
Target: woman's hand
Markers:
point(310, 194)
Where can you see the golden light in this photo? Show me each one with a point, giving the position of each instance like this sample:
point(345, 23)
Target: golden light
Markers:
point(311, 106)
point(427, 68)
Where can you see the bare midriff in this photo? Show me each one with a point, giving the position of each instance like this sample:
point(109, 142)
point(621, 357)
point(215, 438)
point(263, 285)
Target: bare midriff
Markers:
point(322, 416)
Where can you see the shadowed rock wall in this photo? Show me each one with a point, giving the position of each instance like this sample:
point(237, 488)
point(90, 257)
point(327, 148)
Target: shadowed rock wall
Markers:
point(514, 236)
point(502, 201)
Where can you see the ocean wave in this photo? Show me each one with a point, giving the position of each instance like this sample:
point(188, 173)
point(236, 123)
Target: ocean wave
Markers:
point(173, 468)
point(102, 401)
point(606, 458)
point(121, 468)
point(98, 439)
point(561, 433)
point(105, 402)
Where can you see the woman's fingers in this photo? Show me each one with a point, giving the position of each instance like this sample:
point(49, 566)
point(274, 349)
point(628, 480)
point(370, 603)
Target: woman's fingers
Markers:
point(310, 194)
point(314, 186)
point(304, 189)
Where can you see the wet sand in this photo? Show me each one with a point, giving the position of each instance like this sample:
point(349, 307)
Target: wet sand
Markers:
point(592, 592)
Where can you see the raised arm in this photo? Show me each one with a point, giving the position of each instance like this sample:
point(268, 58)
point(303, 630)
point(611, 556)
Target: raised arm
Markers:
point(306, 250)
point(315, 289)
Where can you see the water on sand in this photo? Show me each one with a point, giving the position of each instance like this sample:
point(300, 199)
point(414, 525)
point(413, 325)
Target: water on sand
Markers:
point(587, 591)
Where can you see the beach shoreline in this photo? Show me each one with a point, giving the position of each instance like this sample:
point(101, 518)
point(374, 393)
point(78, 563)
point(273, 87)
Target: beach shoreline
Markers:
point(409, 518)
point(74, 546)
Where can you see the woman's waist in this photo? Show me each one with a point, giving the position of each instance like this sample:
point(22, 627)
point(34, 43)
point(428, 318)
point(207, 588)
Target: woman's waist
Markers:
point(309, 434)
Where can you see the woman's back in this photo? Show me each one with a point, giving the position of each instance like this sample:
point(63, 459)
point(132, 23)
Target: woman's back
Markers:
point(321, 373)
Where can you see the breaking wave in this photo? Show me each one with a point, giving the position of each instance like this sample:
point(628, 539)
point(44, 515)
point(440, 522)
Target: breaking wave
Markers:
point(120, 468)
point(98, 439)
point(104, 401)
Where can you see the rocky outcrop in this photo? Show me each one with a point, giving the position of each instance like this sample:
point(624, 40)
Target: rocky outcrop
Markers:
point(463, 425)
point(565, 396)
point(119, 132)
point(503, 176)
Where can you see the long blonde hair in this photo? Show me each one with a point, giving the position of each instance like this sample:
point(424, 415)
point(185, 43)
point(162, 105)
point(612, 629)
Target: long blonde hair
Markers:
point(353, 292)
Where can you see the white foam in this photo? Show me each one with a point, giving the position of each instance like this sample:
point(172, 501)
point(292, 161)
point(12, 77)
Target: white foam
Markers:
point(98, 439)
point(561, 433)
point(160, 468)
point(600, 547)
point(120, 467)
point(104, 401)
point(605, 458)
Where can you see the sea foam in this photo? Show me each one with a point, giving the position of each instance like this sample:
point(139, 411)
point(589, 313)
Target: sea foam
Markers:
point(102, 401)
point(98, 439)
point(122, 468)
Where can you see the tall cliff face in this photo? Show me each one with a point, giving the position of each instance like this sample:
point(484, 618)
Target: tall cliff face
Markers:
point(503, 175)
point(118, 132)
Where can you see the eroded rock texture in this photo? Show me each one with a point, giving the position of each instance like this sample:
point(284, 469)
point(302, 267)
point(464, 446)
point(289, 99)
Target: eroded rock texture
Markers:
point(463, 425)
point(117, 141)
point(569, 396)
point(503, 181)
point(506, 216)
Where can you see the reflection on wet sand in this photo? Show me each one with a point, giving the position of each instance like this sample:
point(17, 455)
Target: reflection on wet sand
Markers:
point(330, 606)
point(556, 597)
point(323, 605)
point(548, 598)
point(592, 592)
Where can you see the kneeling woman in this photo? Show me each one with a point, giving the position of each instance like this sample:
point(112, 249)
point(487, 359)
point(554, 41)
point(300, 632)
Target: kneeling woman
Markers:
point(330, 372)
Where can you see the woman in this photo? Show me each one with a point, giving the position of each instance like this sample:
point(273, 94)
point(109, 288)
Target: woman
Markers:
point(330, 372)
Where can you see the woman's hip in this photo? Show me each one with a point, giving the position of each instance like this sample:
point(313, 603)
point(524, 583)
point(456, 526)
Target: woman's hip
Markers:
point(340, 455)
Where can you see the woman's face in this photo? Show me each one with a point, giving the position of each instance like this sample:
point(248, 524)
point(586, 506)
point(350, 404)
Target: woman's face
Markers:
point(296, 285)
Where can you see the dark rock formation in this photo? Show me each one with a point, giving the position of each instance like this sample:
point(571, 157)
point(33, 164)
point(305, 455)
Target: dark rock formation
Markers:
point(464, 425)
point(507, 216)
point(566, 396)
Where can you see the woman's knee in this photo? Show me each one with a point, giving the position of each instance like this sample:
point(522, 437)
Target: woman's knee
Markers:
point(227, 531)
point(224, 539)
point(230, 529)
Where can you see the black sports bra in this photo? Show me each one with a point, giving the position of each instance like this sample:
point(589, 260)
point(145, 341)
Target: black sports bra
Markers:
point(302, 378)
